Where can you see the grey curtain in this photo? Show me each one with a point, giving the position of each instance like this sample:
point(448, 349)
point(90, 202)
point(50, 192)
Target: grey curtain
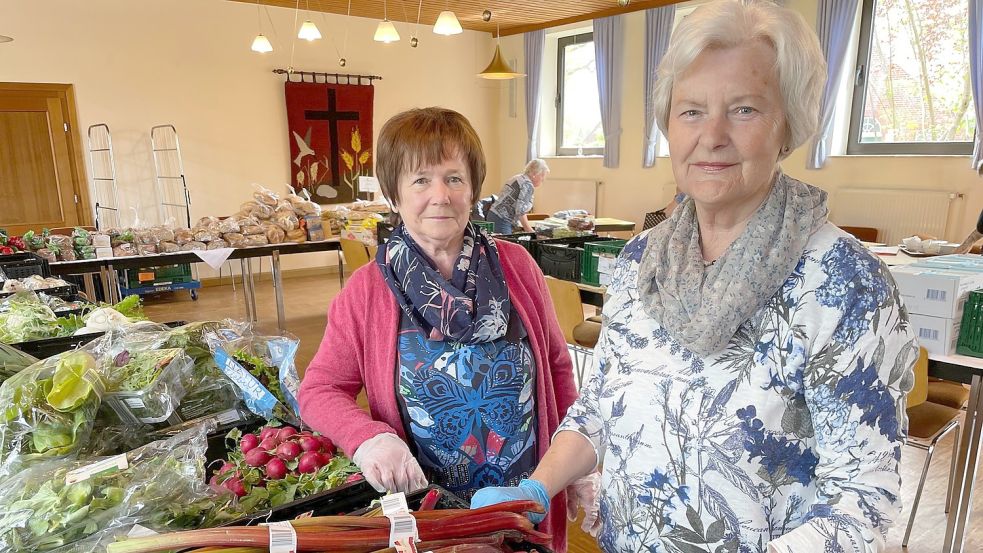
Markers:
point(976, 75)
point(608, 54)
point(834, 24)
point(535, 43)
point(658, 27)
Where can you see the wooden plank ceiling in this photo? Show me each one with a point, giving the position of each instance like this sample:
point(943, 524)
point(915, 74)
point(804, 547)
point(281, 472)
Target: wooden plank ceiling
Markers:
point(514, 16)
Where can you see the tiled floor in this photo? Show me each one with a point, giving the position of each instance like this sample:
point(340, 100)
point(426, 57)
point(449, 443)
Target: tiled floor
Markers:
point(306, 301)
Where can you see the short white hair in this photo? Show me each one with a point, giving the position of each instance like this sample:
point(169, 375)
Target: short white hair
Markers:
point(800, 65)
point(536, 167)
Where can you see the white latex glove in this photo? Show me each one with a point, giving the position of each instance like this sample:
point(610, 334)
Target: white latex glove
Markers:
point(388, 465)
point(586, 493)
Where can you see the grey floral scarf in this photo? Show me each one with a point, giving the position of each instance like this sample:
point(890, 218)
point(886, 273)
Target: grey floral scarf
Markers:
point(703, 306)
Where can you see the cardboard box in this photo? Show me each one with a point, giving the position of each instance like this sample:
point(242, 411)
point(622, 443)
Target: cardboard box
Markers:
point(104, 252)
point(959, 262)
point(935, 334)
point(936, 292)
point(101, 241)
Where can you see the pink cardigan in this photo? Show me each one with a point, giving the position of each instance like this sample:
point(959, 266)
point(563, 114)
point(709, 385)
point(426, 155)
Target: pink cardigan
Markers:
point(359, 351)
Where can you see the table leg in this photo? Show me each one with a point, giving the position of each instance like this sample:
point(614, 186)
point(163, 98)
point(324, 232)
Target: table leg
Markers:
point(341, 271)
point(278, 291)
point(966, 468)
point(90, 287)
point(245, 288)
point(252, 290)
point(113, 291)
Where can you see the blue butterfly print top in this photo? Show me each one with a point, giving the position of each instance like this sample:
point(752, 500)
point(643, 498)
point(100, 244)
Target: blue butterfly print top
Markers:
point(469, 409)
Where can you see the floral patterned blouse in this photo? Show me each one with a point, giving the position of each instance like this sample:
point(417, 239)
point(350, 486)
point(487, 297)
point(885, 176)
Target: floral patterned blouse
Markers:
point(788, 440)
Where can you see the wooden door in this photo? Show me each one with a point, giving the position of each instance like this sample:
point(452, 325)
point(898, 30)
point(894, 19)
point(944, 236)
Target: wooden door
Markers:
point(42, 183)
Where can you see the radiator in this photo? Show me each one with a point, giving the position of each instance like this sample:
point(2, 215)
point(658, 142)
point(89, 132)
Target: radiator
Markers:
point(895, 213)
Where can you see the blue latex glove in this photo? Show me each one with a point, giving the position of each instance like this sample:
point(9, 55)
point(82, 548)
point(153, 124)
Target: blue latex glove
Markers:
point(527, 490)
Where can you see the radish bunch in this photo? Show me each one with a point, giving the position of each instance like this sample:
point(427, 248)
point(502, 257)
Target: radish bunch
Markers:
point(278, 463)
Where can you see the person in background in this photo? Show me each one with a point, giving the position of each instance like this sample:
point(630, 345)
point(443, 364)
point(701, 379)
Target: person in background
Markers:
point(515, 199)
point(973, 237)
point(451, 334)
point(754, 359)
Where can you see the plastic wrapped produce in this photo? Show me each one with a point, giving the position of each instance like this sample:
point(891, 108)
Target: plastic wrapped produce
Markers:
point(266, 197)
point(275, 234)
point(169, 247)
point(205, 222)
point(62, 242)
point(284, 205)
point(144, 237)
point(148, 249)
point(218, 244)
point(229, 224)
point(81, 237)
point(193, 246)
point(13, 361)
point(125, 249)
point(303, 207)
point(256, 240)
point(247, 220)
point(235, 240)
point(183, 236)
point(84, 505)
point(286, 219)
point(298, 236)
point(47, 254)
point(207, 235)
point(253, 229)
point(162, 234)
point(262, 212)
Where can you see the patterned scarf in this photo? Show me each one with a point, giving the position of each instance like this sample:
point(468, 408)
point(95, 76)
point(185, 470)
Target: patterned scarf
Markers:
point(703, 306)
point(472, 308)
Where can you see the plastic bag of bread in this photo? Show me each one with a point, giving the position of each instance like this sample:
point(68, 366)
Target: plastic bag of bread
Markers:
point(299, 236)
point(183, 236)
point(125, 249)
point(286, 219)
point(246, 220)
point(216, 244)
point(47, 254)
point(284, 205)
point(169, 247)
point(229, 224)
point(257, 240)
point(275, 234)
point(144, 237)
point(205, 222)
point(253, 229)
point(148, 249)
point(262, 212)
point(265, 196)
point(67, 254)
point(162, 234)
point(194, 246)
point(303, 207)
point(207, 235)
point(235, 240)
point(60, 241)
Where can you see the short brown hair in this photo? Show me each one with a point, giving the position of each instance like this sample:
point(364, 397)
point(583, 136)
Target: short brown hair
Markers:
point(426, 136)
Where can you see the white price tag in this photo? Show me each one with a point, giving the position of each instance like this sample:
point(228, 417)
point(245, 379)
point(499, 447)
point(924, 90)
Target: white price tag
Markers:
point(106, 466)
point(134, 403)
point(283, 537)
point(227, 417)
point(402, 530)
point(368, 184)
point(394, 504)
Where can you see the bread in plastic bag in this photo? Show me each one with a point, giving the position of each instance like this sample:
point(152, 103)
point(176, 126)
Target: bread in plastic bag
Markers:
point(246, 220)
point(148, 249)
point(207, 235)
point(275, 234)
point(169, 247)
point(265, 196)
point(229, 224)
point(162, 234)
point(217, 244)
point(183, 236)
point(298, 236)
point(253, 229)
point(235, 240)
point(256, 240)
point(125, 249)
point(205, 222)
point(194, 246)
point(286, 219)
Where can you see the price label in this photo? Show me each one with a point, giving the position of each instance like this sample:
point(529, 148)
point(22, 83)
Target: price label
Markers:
point(283, 537)
point(106, 466)
point(394, 504)
point(402, 530)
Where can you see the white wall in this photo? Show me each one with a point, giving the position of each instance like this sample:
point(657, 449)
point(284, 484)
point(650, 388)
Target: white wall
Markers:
point(630, 191)
point(140, 63)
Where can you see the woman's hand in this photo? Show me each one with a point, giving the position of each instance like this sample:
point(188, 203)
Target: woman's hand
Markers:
point(529, 490)
point(388, 465)
point(586, 493)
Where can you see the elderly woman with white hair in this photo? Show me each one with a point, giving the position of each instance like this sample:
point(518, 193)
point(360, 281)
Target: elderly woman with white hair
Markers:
point(515, 200)
point(749, 390)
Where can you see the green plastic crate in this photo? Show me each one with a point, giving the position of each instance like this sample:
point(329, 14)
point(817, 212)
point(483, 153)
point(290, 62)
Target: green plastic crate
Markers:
point(971, 331)
point(487, 226)
point(165, 274)
point(593, 252)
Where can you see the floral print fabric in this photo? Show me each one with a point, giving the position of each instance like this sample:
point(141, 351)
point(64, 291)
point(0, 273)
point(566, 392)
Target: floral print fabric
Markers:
point(786, 440)
point(515, 199)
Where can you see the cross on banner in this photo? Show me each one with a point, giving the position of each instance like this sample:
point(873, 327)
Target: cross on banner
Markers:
point(332, 116)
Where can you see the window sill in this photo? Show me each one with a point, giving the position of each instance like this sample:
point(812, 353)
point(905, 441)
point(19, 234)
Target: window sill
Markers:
point(554, 156)
point(881, 156)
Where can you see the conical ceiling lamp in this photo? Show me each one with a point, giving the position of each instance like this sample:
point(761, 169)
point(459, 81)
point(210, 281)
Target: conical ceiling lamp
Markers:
point(309, 31)
point(261, 44)
point(4, 38)
point(447, 24)
point(386, 31)
point(498, 69)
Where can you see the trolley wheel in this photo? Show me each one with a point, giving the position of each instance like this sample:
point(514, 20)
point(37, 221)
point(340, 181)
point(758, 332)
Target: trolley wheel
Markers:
point(194, 295)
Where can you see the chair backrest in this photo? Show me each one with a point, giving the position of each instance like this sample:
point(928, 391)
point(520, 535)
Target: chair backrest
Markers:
point(67, 231)
point(653, 218)
point(919, 392)
point(566, 303)
point(532, 216)
point(866, 234)
point(356, 254)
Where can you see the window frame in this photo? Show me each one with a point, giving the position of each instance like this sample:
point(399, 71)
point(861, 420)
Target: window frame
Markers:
point(854, 145)
point(561, 45)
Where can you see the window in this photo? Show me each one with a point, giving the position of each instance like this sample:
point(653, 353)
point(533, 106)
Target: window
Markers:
point(912, 92)
point(578, 110)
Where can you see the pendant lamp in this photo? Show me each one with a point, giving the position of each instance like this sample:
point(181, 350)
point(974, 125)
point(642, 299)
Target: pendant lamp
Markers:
point(309, 31)
point(498, 69)
point(386, 31)
point(262, 44)
point(447, 24)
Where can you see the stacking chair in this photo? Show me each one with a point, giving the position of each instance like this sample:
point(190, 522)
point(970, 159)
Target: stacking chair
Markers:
point(653, 218)
point(866, 234)
point(928, 424)
point(355, 253)
point(581, 335)
point(944, 392)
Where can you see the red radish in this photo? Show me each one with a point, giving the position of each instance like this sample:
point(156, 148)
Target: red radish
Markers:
point(288, 451)
point(326, 444)
point(257, 457)
point(326, 458)
point(235, 486)
point(276, 469)
point(309, 443)
point(269, 444)
point(354, 478)
point(248, 443)
point(215, 486)
point(267, 432)
point(309, 462)
point(286, 432)
point(226, 467)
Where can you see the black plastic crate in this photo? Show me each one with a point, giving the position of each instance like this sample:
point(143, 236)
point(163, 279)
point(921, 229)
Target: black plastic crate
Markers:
point(25, 264)
point(524, 239)
point(562, 257)
point(47, 347)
